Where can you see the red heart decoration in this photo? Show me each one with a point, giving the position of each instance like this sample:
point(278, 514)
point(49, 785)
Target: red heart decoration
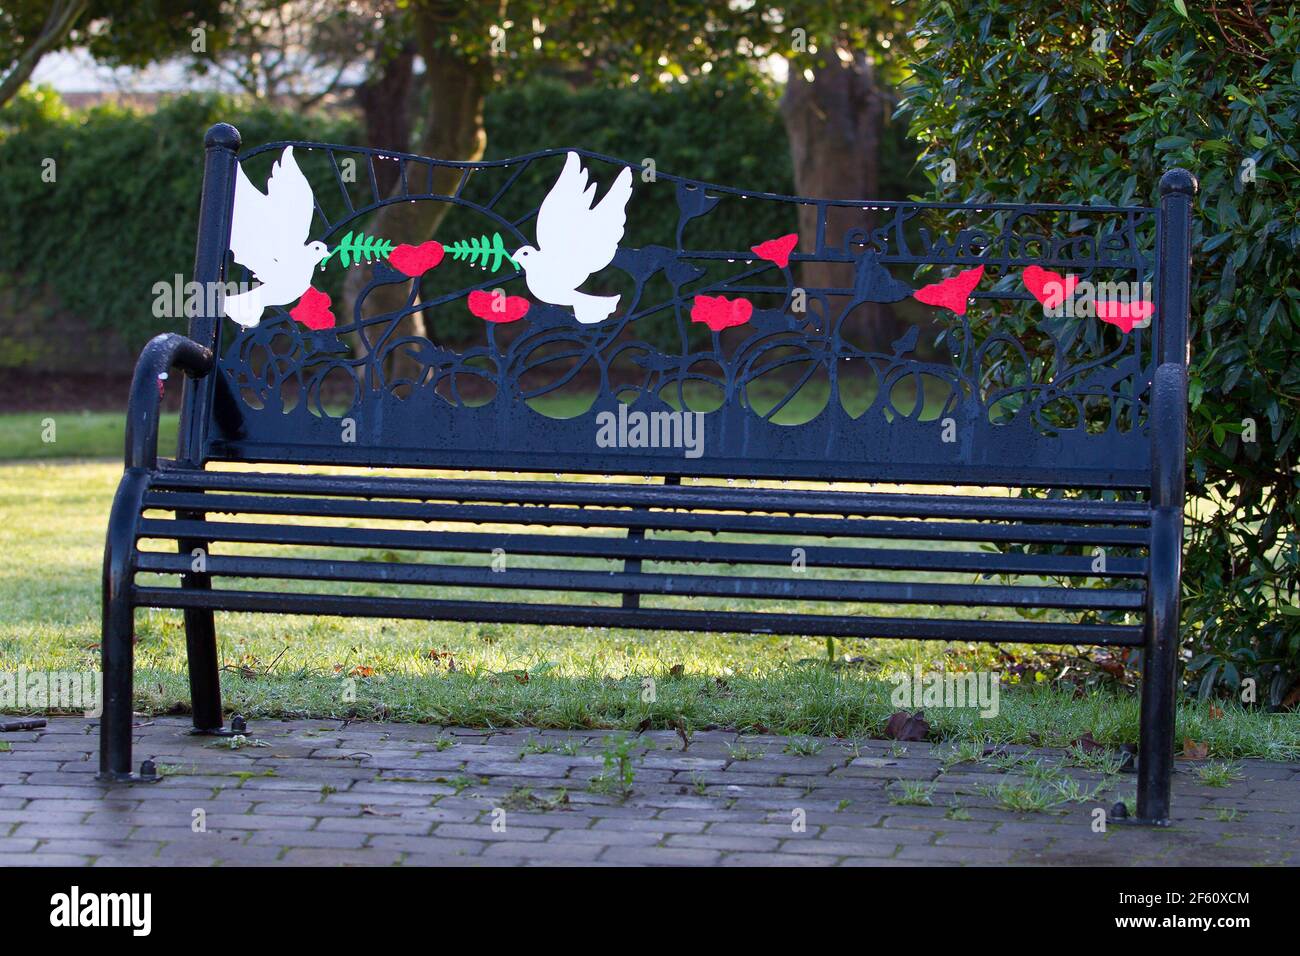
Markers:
point(313, 310)
point(484, 305)
point(777, 250)
point(1126, 316)
point(416, 260)
point(951, 293)
point(1049, 288)
point(719, 312)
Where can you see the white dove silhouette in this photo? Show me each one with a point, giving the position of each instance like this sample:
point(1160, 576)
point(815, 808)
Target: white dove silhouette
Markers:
point(268, 235)
point(576, 240)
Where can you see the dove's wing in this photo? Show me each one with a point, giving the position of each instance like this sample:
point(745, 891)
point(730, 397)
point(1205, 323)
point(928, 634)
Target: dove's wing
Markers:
point(264, 224)
point(605, 225)
point(291, 198)
point(248, 235)
point(557, 219)
point(568, 226)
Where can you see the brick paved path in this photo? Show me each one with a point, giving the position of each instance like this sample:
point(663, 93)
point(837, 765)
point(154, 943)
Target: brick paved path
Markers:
point(321, 792)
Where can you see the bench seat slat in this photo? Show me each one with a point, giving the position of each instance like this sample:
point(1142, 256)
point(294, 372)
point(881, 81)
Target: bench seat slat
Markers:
point(707, 497)
point(642, 518)
point(774, 588)
point(650, 619)
point(647, 549)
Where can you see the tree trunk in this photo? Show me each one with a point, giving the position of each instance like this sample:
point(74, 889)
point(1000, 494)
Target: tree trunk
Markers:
point(453, 129)
point(834, 123)
point(385, 101)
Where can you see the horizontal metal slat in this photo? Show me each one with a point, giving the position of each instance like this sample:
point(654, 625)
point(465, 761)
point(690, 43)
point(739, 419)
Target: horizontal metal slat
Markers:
point(761, 587)
point(648, 549)
point(1025, 632)
point(641, 518)
point(709, 497)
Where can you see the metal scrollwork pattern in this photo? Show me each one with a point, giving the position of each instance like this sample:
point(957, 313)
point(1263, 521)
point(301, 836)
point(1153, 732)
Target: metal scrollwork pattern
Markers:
point(803, 387)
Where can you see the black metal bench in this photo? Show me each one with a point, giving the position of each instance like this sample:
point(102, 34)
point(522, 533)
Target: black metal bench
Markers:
point(754, 534)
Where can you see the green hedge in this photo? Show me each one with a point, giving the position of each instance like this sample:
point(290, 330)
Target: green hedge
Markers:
point(1017, 95)
point(122, 213)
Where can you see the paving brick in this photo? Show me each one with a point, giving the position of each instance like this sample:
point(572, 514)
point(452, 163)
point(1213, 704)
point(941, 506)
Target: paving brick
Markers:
point(330, 793)
point(721, 841)
point(548, 851)
point(660, 856)
point(371, 856)
point(775, 859)
point(429, 845)
point(483, 831)
point(608, 837)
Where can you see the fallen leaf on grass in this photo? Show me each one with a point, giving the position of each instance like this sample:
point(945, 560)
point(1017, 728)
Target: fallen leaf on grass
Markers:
point(1087, 744)
point(1192, 750)
point(1216, 712)
point(1112, 666)
point(905, 726)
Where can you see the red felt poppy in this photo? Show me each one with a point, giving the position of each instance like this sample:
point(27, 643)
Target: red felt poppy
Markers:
point(416, 260)
point(496, 306)
point(1126, 316)
point(1049, 288)
point(951, 293)
point(313, 310)
point(777, 250)
point(719, 312)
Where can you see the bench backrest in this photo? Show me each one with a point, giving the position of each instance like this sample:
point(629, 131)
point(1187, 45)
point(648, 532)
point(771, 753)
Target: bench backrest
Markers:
point(973, 383)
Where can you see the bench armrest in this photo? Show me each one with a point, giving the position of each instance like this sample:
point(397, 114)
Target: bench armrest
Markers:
point(163, 353)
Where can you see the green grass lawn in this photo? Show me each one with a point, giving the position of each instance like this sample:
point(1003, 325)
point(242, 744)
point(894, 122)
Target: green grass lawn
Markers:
point(74, 435)
point(52, 521)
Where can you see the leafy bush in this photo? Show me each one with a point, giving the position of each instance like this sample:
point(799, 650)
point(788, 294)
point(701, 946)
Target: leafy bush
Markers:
point(122, 211)
point(1018, 94)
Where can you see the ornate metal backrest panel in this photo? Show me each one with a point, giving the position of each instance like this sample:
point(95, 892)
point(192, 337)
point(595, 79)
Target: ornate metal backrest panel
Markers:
point(912, 343)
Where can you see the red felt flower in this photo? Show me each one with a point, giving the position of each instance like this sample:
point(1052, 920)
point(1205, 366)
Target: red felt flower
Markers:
point(416, 260)
point(951, 293)
point(313, 310)
point(1049, 288)
point(777, 250)
point(719, 312)
point(496, 306)
point(1127, 316)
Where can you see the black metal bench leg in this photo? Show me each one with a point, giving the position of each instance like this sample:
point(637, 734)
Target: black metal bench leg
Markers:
point(201, 640)
point(1156, 747)
point(205, 682)
point(201, 647)
point(118, 662)
point(117, 638)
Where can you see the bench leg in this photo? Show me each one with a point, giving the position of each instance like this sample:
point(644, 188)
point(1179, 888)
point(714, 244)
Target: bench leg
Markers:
point(201, 644)
point(1159, 661)
point(117, 637)
point(205, 682)
point(118, 655)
